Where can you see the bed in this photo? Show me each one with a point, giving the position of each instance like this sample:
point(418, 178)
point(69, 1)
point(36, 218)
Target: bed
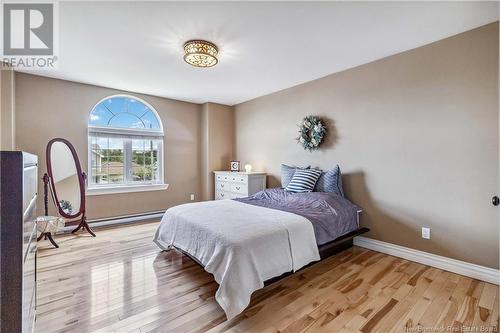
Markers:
point(248, 242)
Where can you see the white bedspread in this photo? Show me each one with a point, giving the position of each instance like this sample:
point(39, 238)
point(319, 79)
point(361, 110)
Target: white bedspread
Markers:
point(241, 245)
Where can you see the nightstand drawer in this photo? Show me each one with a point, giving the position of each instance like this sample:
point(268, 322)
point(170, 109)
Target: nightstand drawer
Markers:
point(238, 179)
point(224, 177)
point(219, 195)
point(239, 188)
point(228, 177)
point(223, 186)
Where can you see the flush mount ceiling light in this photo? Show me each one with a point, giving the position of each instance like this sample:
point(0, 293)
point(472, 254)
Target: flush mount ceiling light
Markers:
point(200, 53)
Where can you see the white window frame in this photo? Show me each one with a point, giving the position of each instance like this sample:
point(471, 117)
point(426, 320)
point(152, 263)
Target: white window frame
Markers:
point(127, 134)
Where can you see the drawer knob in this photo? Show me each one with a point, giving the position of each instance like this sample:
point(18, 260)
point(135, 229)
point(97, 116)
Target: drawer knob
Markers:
point(222, 185)
point(222, 194)
point(237, 187)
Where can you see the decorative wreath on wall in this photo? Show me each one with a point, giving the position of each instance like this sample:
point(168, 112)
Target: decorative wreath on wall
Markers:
point(312, 131)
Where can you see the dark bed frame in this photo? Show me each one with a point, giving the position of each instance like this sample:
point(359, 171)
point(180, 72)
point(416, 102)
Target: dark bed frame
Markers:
point(326, 250)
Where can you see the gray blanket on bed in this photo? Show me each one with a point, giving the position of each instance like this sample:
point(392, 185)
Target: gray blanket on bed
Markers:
point(331, 215)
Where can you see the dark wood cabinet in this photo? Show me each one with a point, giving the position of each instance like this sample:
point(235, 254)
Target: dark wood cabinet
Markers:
point(18, 245)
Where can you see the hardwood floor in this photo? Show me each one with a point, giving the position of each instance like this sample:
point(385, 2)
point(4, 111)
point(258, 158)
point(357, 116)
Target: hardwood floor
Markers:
point(121, 282)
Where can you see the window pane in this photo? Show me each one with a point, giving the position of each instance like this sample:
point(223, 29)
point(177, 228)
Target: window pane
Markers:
point(136, 108)
point(107, 160)
point(96, 157)
point(116, 104)
point(124, 112)
point(126, 120)
point(145, 161)
point(150, 121)
point(100, 116)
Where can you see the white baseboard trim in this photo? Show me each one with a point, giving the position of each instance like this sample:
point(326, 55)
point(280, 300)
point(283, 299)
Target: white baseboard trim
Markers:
point(118, 220)
point(448, 264)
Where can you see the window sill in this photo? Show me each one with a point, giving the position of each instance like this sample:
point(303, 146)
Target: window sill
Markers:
point(125, 189)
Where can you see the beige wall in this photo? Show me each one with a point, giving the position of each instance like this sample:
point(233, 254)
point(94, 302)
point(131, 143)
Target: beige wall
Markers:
point(7, 108)
point(48, 108)
point(217, 128)
point(415, 134)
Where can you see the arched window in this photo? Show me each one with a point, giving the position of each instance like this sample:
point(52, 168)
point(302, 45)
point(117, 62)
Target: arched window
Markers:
point(125, 144)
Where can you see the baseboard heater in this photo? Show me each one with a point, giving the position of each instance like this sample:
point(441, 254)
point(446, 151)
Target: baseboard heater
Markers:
point(105, 221)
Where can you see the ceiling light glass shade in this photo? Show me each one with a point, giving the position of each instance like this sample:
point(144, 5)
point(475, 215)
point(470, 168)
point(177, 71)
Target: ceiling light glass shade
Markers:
point(200, 53)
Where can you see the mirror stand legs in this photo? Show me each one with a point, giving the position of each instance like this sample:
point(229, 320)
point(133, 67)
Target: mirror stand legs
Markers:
point(47, 235)
point(84, 226)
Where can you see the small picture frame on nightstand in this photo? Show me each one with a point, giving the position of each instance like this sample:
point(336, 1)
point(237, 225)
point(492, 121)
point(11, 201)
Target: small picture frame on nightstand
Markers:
point(235, 166)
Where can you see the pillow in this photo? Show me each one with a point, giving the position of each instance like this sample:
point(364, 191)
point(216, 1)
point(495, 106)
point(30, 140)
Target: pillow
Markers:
point(303, 180)
point(330, 181)
point(287, 174)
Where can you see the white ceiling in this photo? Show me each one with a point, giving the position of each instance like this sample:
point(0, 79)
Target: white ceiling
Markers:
point(264, 46)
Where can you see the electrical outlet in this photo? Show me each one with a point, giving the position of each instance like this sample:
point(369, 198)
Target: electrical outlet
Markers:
point(192, 197)
point(426, 233)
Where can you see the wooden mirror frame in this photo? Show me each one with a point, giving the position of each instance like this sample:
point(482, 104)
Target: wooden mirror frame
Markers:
point(82, 222)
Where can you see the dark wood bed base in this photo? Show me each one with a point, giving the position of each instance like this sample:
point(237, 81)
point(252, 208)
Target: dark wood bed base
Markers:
point(339, 244)
point(326, 250)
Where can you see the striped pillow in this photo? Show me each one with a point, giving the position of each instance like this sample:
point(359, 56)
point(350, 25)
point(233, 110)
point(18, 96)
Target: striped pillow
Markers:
point(287, 173)
point(330, 181)
point(303, 180)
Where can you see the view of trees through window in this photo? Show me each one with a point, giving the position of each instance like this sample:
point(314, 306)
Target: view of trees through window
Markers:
point(144, 160)
point(109, 162)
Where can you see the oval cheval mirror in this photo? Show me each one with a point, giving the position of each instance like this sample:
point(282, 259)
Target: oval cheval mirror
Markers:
point(67, 183)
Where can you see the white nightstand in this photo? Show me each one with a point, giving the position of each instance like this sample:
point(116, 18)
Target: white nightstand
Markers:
point(230, 185)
